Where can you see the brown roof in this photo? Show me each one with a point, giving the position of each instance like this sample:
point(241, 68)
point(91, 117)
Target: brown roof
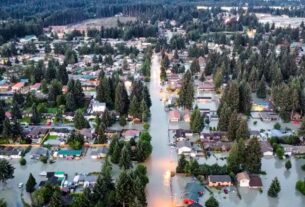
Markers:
point(242, 176)
point(255, 181)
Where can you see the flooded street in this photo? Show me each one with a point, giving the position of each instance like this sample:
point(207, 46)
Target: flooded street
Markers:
point(162, 160)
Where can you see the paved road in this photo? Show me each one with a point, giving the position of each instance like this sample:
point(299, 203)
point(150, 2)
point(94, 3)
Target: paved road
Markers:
point(160, 163)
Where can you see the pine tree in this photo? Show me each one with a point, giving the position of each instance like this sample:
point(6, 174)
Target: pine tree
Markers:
point(16, 113)
point(70, 102)
point(125, 161)
point(7, 129)
point(101, 137)
point(233, 126)
point(55, 200)
point(288, 164)
point(242, 132)
point(253, 161)
point(79, 120)
point(62, 74)
point(115, 157)
point(245, 98)
point(224, 117)
point(211, 202)
point(196, 122)
point(30, 184)
point(144, 149)
point(121, 99)
point(186, 93)
point(274, 188)
point(134, 107)
point(144, 111)
point(181, 164)
point(124, 186)
point(113, 143)
point(195, 67)
point(301, 130)
point(139, 192)
point(103, 92)
point(261, 89)
point(35, 119)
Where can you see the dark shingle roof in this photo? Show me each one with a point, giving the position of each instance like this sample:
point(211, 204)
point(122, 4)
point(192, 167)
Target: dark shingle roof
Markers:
point(220, 178)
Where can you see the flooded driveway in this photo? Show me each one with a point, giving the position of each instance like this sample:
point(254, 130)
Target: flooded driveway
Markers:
point(162, 160)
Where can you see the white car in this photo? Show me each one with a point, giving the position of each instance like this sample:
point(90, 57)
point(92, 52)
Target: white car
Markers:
point(20, 185)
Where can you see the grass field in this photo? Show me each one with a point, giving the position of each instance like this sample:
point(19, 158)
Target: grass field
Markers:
point(98, 23)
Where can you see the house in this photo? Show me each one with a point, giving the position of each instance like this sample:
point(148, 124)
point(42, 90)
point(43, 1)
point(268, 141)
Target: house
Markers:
point(255, 182)
point(18, 86)
point(243, 179)
point(35, 87)
point(213, 136)
point(268, 116)
point(195, 205)
point(293, 150)
point(36, 153)
point(87, 133)
point(218, 146)
point(219, 180)
point(99, 153)
point(10, 153)
point(174, 116)
point(37, 134)
point(184, 147)
point(98, 107)
point(130, 133)
point(192, 192)
point(266, 148)
point(68, 153)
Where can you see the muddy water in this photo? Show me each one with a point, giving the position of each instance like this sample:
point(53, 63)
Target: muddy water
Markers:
point(161, 161)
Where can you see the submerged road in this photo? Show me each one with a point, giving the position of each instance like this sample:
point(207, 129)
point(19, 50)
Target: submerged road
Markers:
point(160, 162)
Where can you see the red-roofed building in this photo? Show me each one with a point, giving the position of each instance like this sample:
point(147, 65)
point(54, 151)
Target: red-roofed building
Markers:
point(174, 116)
point(35, 87)
point(18, 86)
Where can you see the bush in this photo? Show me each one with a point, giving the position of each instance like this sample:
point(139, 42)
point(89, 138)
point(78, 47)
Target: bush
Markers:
point(300, 186)
point(277, 126)
point(255, 122)
point(22, 161)
point(303, 167)
point(44, 159)
point(122, 121)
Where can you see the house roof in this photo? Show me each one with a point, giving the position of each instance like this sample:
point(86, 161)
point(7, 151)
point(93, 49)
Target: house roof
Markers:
point(70, 152)
point(255, 181)
point(131, 133)
point(184, 143)
point(174, 114)
point(242, 176)
point(192, 190)
point(219, 178)
point(265, 146)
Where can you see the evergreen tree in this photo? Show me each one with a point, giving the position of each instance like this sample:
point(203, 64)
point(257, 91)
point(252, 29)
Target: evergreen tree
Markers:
point(233, 126)
point(35, 118)
point(236, 158)
point(16, 113)
point(76, 141)
point(70, 102)
point(211, 202)
point(55, 200)
point(112, 145)
point(30, 184)
point(261, 89)
point(116, 154)
point(6, 170)
point(196, 122)
point(301, 130)
point(181, 164)
point(274, 188)
point(125, 161)
point(103, 92)
point(121, 99)
point(16, 130)
point(144, 110)
point(134, 108)
point(44, 86)
point(139, 192)
point(195, 67)
point(62, 74)
point(245, 98)
point(146, 96)
point(101, 137)
point(288, 165)
point(7, 129)
point(254, 155)
point(79, 120)
point(186, 93)
point(242, 132)
point(224, 117)
point(124, 186)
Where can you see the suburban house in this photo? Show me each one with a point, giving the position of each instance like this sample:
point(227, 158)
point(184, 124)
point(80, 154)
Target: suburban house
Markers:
point(37, 134)
point(218, 146)
point(36, 153)
point(219, 180)
point(10, 153)
point(99, 153)
point(193, 191)
point(268, 116)
point(184, 147)
point(255, 182)
point(174, 116)
point(130, 133)
point(243, 179)
point(18, 86)
point(293, 150)
point(213, 136)
point(266, 148)
point(98, 107)
point(68, 154)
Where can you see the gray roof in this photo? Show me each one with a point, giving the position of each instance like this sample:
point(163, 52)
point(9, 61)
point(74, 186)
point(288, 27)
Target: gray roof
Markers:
point(184, 144)
point(219, 178)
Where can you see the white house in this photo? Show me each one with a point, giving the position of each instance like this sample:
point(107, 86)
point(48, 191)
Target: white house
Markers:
point(184, 147)
point(98, 107)
point(243, 179)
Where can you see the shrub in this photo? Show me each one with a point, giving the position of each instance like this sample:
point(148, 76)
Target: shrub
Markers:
point(22, 161)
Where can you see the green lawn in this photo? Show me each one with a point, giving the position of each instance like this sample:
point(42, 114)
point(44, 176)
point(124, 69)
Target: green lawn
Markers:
point(52, 137)
point(52, 110)
point(26, 119)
